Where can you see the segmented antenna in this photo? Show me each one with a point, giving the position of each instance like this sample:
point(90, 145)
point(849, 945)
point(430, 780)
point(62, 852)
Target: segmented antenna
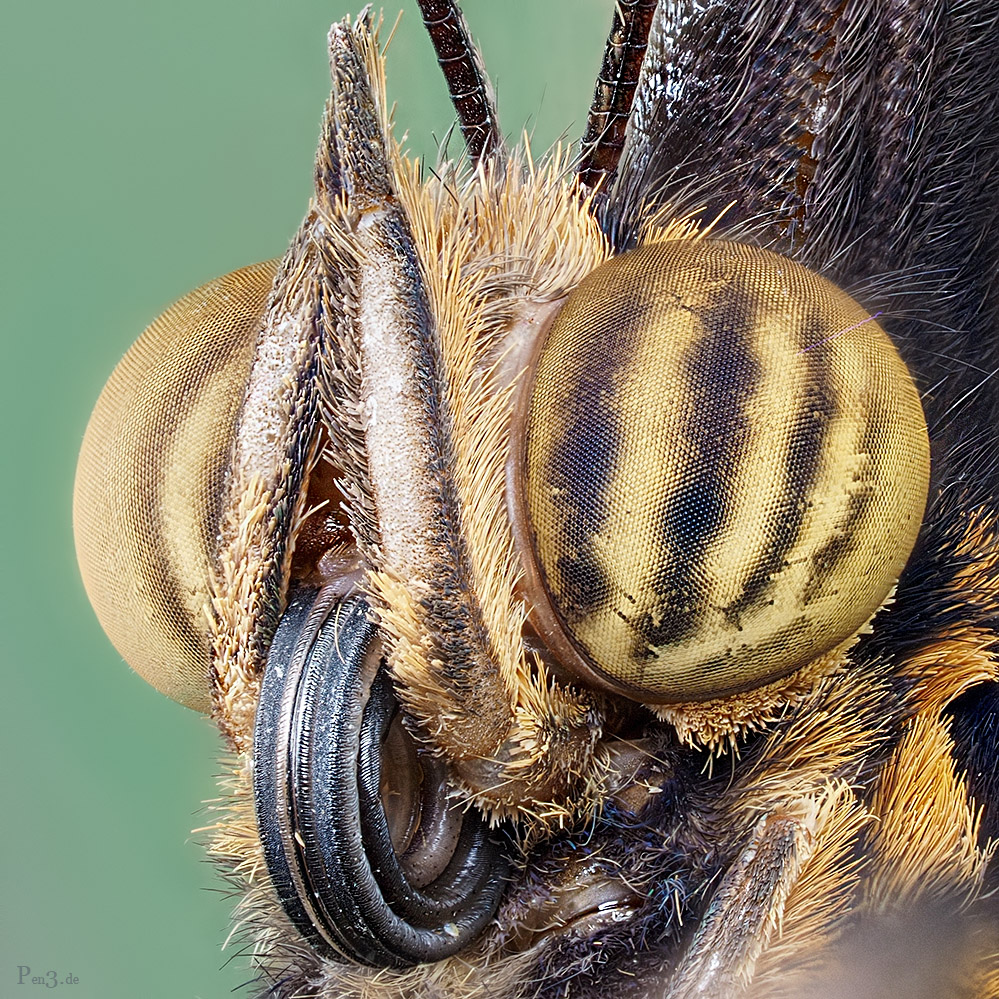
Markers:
point(467, 83)
point(614, 92)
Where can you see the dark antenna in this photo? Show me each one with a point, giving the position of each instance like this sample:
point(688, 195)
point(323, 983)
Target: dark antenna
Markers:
point(614, 92)
point(467, 83)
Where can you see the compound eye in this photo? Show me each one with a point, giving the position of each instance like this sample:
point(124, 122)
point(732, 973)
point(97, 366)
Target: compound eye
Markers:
point(150, 477)
point(726, 466)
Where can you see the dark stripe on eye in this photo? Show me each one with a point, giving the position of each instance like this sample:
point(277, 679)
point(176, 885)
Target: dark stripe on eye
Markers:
point(169, 596)
point(721, 376)
point(774, 650)
point(847, 533)
point(583, 463)
point(852, 530)
point(218, 334)
point(814, 409)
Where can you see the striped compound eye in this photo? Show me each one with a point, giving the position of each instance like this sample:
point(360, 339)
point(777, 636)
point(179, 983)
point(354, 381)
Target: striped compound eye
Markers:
point(725, 469)
point(151, 478)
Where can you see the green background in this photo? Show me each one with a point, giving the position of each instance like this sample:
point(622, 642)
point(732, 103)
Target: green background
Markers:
point(146, 148)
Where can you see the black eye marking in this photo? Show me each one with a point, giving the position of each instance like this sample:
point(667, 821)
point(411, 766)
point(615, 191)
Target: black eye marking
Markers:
point(722, 374)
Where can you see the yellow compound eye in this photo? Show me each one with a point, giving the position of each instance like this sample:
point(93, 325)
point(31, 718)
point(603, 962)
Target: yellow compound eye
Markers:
point(726, 469)
point(150, 478)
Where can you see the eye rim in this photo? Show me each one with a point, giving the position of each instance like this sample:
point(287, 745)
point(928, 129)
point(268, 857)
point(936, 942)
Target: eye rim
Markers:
point(309, 874)
point(568, 662)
